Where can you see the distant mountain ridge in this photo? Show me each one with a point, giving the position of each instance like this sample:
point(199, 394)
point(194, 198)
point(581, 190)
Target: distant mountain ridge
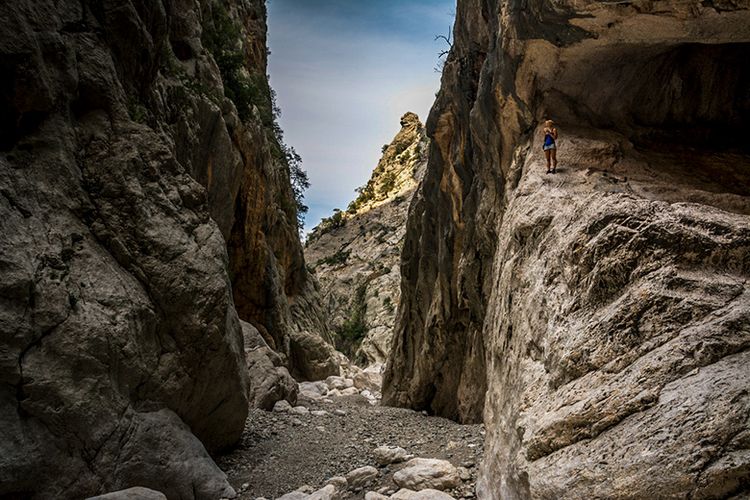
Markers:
point(355, 253)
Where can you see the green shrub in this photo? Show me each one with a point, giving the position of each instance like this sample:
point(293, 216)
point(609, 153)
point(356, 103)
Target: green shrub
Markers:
point(246, 88)
point(340, 257)
point(388, 183)
point(350, 334)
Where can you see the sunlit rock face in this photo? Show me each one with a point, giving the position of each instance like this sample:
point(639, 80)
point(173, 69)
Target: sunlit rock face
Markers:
point(356, 254)
point(124, 171)
point(596, 319)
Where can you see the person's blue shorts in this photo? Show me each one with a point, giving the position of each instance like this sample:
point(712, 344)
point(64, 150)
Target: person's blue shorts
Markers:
point(550, 146)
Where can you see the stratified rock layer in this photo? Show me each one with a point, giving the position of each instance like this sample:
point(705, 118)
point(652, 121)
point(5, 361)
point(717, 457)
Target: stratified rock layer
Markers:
point(356, 254)
point(124, 169)
point(598, 319)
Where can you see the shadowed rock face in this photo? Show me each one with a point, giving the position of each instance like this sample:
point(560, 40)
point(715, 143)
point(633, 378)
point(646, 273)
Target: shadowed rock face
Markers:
point(124, 170)
point(597, 318)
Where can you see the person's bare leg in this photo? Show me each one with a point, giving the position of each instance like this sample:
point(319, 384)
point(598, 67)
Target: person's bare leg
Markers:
point(554, 159)
point(547, 155)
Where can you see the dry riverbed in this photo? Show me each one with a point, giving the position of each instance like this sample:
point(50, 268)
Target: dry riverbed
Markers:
point(283, 451)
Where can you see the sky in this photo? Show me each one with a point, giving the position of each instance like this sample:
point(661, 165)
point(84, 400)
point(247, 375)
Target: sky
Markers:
point(344, 72)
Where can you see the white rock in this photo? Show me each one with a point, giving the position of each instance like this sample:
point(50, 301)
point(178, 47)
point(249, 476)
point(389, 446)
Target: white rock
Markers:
point(361, 477)
point(371, 495)
point(313, 390)
point(282, 406)
point(339, 412)
point(327, 492)
point(385, 455)
point(368, 379)
point(422, 473)
point(334, 382)
point(135, 493)
point(464, 473)
point(294, 495)
point(349, 391)
point(300, 410)
point(428, 494)
point(319, 413)
point(339, 482)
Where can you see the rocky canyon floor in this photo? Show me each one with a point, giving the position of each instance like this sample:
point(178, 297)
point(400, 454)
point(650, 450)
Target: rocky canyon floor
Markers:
point(283, 451)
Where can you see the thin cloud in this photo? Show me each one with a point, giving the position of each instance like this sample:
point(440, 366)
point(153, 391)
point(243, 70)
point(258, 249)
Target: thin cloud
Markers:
point(344, 72)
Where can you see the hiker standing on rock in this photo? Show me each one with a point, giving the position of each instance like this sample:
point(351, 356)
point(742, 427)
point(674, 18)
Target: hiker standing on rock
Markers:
point(550, 146)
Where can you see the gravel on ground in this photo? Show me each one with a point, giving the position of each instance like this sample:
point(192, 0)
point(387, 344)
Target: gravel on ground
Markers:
point(283, 451)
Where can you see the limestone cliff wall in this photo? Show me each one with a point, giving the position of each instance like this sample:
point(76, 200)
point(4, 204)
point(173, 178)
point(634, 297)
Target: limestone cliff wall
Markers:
point(596, 319)
point(356, 253)
point(134, 145)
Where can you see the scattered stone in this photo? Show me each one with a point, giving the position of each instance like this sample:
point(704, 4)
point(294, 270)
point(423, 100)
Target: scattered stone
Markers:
point(319, 413)
point(300, 410)
point(282, 406)
point(339, 412)
point(361, 477)
point(464, 473)
point(339, 482)
point(368, 379)
point(421, 473)
point(371, 495)
point(349, 391)
point(386, 455)
point(294, 495)
point(327, 492)
point(137, 493)
point(340, 383)
point(313, 390)
point(297, 422)
point(427, 494)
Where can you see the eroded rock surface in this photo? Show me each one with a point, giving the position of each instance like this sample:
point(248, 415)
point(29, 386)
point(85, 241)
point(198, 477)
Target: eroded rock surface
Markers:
point(124, 171)
point(598, 318)
point(356, 253)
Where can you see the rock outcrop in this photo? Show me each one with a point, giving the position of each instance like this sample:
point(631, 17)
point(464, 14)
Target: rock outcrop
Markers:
point(597, 319)
point(136, 140)
point(356, 254)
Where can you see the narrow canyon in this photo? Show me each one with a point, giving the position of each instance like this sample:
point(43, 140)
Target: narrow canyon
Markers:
point(469, 326)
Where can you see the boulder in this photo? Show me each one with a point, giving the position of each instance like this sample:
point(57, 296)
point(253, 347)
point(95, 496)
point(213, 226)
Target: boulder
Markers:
point(372, 495)
point(426, 494)
point(282, 406)
point(386, 455)
point(269, 380)
point(135, 493)
point(371, 379)
point(340, 383)
point(312, 357)
point(424, 473)
point(295, 495)
point(349, 391)
point(313, 390)
point(361, 477)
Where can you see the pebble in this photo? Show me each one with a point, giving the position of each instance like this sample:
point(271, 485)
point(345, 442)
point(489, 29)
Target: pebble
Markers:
point(339, 412)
